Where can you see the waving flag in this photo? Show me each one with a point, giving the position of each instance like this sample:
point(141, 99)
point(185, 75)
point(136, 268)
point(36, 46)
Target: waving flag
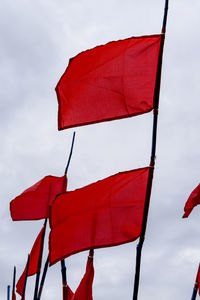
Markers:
point(34, 261)
point(108, 82)
point(33, 203)
point(84, 290)
point(192, 201)
point(106, 213)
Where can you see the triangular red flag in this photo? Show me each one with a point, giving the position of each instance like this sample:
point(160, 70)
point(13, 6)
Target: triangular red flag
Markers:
point(109, 82)
point(198, 279)
point(34, 261)
point(84, 290)
point(33, 203)
point(106, 213)
point(193, 200)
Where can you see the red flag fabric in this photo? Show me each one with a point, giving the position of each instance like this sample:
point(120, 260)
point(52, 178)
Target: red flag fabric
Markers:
point(33, 261)
point(106, 213)
point(33, 203)
point(192, 201)
point(84, 290)
point(70, 294)
point(13, 296)
point(109, 82)
point(198, 279)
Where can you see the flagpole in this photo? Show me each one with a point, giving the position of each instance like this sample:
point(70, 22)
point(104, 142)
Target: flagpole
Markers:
point(8, 292)
point(14, 279)
point(194, 293)
point(43, 278)
point(25, 280)
point(39, 262)
point(63, 265)
point(152, 162)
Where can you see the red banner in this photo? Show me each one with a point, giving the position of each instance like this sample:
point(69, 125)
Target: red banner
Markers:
point(33, 261)
point(109, 82)
point(106, 213)
point(33, 203)
point(192, 201)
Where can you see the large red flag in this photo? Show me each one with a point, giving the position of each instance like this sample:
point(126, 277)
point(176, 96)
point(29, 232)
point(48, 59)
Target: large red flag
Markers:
point(192, 201)
point(34, 261)
point(108, 82)
point(106, 213)
point(33, 203)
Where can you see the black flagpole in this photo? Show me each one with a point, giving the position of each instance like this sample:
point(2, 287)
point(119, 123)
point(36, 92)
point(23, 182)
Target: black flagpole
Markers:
point(152, 163)
point(43, 278)
point(14, 278)
point(194, 293)
point(8, 292)
point(25, 281)
point(196, 285)
point(63, 265)
point(39, 262)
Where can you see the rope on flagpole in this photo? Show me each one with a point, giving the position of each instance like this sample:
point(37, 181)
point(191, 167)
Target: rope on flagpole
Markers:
point(153, 156)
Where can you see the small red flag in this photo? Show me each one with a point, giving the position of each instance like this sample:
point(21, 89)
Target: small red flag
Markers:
point(33, 203)
point(109, 82)
point(106, 213)
point(84, 290)
point(34, 261)
point(192, 201)
point(198, 279)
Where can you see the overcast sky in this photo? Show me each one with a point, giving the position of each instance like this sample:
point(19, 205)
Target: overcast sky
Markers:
point(37, 39)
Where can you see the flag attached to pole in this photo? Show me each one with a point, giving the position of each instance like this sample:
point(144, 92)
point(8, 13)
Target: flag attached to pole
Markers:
point(193, 200)
point(108, 82)
point(198, 279)
point(106, 213)
point(33, 203)
point(84, 290)
point(33, 261)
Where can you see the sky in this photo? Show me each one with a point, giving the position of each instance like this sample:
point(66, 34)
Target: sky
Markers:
point(37, 39)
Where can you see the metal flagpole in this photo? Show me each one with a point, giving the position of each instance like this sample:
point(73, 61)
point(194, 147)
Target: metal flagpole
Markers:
point(63, 265)
point(8, 292)
point(25, 281)
point(14, 278)
point(43, 278)
point(152, 163)
point(39, 262)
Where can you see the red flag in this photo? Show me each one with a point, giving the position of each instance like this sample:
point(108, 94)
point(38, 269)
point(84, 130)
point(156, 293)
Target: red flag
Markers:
point(109, 82)
point(84, 290)
point(192, 201)
point(106, 213)
point(34, 261)
point(70, 294)
point(198, 279)
point(13, 296)
point(33, 203)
